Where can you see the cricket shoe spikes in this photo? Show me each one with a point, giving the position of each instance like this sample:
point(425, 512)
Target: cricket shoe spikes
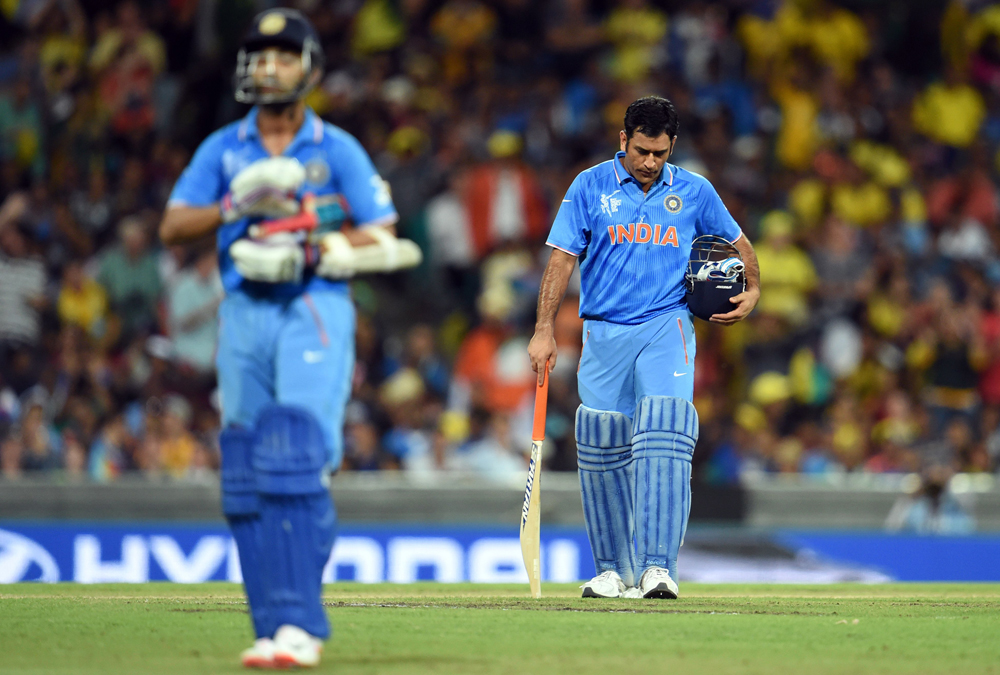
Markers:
point(261, 655)
point(295, 648)
point(656, 583)
point(607, 584)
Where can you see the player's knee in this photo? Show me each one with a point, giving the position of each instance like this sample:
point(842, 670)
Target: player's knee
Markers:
point(665, 424)
point(289, 452)
point(239, 482)
point(603, 439)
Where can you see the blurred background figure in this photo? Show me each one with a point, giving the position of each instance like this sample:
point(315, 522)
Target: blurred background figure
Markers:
point(931, 509)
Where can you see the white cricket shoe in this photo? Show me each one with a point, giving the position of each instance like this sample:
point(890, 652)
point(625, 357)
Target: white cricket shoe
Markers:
point(261, 655)
point(295, 648)
point(607, 584)
point(656, 583)
point(632, 593)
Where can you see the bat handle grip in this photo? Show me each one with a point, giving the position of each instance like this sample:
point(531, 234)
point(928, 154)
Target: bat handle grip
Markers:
point(541, 403)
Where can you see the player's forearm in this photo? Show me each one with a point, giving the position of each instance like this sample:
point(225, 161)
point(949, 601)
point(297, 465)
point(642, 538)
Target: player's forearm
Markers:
point(745, 248)
point(183, 224)
point(554, 283)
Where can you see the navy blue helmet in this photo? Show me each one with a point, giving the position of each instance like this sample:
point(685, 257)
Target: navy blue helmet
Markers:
point(715, 273)
point(256, 76)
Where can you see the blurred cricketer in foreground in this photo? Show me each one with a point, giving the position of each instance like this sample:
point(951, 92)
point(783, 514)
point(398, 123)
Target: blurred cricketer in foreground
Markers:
point(631, 222)
point(286, 339)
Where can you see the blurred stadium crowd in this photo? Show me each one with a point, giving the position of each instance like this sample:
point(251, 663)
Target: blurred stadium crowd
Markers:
point(855, 142)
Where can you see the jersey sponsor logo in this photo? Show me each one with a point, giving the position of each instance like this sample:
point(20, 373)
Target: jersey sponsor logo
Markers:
point(673, 203)
point(643, 233)
point(609, 204)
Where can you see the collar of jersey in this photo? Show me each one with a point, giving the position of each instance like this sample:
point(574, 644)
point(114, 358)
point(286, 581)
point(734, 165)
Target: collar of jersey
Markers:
point(666, 175)
point(311, 130)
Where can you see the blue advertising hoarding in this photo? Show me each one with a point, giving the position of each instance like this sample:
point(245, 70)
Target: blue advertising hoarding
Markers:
point(192, 553)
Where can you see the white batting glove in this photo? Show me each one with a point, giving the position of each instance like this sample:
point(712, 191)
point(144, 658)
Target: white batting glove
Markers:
point(340, 260)
point(274, 260)
point(265, 188)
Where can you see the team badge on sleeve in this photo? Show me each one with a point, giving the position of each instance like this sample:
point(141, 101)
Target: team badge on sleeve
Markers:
point(673, 203)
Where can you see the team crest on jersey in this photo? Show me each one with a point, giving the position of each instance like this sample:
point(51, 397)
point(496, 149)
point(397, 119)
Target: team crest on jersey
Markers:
point(609, 204)
point(673, 204)
point(317, 172)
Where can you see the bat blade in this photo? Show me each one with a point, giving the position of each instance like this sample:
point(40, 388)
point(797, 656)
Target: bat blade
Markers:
point(531, 522)
point(531, 516)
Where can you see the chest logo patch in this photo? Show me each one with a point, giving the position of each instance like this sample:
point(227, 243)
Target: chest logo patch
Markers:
point(610, 203)
point(317, 172)
point(673, 204)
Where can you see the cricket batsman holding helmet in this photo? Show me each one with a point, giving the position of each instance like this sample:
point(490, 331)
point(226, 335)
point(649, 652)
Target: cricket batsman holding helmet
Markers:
point(631, 222)
point(286, 339)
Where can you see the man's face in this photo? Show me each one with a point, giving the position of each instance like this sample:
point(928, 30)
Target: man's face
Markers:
point(275, 70)
point(645, 156)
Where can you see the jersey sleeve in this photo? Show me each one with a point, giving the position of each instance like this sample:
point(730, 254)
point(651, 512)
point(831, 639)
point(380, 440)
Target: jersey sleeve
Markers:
point(571, 229)
point(368, 199)
point(202, 183)
point(715, 217)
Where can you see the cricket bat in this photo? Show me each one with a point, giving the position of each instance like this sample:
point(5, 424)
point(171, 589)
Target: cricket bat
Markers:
point(304, 221)
point(531, 510)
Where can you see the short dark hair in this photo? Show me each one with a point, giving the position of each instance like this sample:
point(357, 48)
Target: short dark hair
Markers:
point(651, 116)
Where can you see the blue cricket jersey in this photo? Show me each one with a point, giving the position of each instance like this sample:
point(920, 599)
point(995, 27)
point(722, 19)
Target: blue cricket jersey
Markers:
point(634, 246)
point(334, 161)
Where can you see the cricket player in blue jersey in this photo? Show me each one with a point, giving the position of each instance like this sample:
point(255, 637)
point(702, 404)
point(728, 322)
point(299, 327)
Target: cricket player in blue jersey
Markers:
point(630, 223)
point(286, 339)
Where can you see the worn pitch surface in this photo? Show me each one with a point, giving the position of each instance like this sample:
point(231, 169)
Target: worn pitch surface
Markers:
point(465, 628)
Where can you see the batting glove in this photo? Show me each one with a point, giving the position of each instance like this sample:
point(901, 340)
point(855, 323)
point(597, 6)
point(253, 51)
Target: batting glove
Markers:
point(266, 188)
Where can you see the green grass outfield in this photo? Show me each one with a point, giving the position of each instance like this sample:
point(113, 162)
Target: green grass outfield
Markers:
point(465, 628)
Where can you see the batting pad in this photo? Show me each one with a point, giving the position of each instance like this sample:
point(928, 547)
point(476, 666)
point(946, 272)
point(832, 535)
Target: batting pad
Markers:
point(241, 506)
point(297, 515)
point(604, 458)
point(665, 433)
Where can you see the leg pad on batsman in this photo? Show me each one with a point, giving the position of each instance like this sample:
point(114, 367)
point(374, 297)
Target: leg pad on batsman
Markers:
point(665, 433)
point(241, 507)
point(604, 457)
point(297, 514)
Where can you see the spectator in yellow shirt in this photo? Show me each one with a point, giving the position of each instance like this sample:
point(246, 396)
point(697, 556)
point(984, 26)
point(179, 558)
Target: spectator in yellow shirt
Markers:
point(787, 275)
point(798, 137)
point(860, 200)
point(177, 445)
point(950, 112)
point(82, 301)
point(637, 31)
